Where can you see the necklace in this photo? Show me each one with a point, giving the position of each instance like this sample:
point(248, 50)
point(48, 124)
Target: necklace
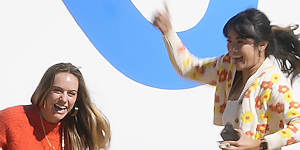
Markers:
point(62, 139)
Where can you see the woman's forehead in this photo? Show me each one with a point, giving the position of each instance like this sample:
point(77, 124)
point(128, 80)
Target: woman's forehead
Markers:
point(66, 80)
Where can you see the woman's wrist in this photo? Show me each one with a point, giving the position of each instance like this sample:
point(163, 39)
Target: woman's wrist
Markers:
point(167, 31)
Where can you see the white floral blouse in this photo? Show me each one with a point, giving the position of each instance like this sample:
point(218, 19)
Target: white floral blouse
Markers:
point(268, 108)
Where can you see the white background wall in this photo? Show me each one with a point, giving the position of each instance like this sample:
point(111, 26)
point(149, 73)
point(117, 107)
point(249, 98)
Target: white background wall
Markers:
point(35, 34)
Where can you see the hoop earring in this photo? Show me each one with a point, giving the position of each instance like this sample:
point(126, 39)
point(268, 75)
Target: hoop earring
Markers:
point(44, 104)
point(75, 111)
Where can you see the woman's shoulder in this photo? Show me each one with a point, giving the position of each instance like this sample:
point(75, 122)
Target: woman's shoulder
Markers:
point(273, 80)
point(275, 75)
point(15, 112)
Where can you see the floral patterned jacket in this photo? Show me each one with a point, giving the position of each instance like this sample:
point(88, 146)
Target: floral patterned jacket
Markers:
point(268, 109)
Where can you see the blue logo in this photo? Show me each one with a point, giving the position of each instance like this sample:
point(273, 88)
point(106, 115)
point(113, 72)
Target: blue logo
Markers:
point(135, 47)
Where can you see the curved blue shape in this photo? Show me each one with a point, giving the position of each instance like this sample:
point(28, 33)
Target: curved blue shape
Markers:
point(133, 46)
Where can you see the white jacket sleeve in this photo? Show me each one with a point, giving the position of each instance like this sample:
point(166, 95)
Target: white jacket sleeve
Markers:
point(282, 94)
point(188, 65)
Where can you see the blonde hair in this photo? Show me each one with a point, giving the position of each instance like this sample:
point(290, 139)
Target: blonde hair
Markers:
point(89, 129)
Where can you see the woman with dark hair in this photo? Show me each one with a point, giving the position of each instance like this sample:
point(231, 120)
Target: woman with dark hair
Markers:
point(61, 116)
point(252, 92)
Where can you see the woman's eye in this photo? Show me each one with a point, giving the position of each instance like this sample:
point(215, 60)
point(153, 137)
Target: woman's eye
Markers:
point(56, 91)
point(71, 93)
point(240, 42)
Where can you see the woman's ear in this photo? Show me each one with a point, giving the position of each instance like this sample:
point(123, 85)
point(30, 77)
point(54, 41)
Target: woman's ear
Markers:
point(263, 45)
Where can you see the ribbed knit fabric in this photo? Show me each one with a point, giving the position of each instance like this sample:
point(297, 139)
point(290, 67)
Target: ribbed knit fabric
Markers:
point(21, 129)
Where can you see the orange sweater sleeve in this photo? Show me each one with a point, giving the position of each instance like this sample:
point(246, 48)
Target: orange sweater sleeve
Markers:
point(3, 130)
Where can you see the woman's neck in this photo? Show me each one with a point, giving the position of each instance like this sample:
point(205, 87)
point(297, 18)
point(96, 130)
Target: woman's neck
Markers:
point(247, 73)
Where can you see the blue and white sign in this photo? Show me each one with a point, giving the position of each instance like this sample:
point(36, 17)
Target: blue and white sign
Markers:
point(131, 44)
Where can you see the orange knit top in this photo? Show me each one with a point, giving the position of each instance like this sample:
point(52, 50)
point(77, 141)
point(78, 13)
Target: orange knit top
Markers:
point(21, 129)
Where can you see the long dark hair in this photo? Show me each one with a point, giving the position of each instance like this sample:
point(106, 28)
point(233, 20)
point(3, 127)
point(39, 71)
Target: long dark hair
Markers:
point(284, 45)
point(89, 129)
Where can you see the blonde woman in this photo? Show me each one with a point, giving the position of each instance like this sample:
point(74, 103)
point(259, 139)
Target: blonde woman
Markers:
point(61, 117)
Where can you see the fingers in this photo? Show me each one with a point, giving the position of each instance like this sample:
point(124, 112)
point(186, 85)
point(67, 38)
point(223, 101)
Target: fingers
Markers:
point(162, 21)
point(156, 19)
point(224, 145)
point(233, 143)
point(167, 9)
point(227, 146)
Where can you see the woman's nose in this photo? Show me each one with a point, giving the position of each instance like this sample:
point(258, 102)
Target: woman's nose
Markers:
point(232, 48)
point(64, 97)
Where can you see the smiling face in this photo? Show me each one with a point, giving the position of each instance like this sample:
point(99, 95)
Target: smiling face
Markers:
point(244, 52)
point(61, 97)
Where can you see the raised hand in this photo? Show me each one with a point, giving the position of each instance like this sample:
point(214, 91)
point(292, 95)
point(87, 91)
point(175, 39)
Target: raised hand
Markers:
point(162, 21)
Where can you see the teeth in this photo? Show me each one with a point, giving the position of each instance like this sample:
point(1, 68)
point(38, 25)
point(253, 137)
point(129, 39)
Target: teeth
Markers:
point(61, 107)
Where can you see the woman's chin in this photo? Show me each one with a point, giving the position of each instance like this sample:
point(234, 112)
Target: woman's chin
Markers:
point(59, 116)
point(240, 66)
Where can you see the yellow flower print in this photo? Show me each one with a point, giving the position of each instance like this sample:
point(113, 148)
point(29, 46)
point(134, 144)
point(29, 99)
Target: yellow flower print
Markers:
point(217, 87)
point(283, 89)
point(285, 133)
point(210, 64)
point(254, 85)
point(187, 62)
point(231, 67)
point(259, 103)
point(228, 85)
point(288, 96)
point(279, 108)
point(248, 117)
point(262, 128)
point(172, 60)
point(222, 73)
point(272, 131)
point(247, 95)
point(267, 85)
point(296, 122)
point(266, 116)
point(217, 108)
point(276, 78)
point(293, 113)
point(266, 96)
point(295, 105)
point(195, 75)
point(293, 128)
point(258, 136)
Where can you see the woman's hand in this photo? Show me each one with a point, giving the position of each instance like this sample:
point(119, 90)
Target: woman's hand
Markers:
point(162, 21)
point(244, 143)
